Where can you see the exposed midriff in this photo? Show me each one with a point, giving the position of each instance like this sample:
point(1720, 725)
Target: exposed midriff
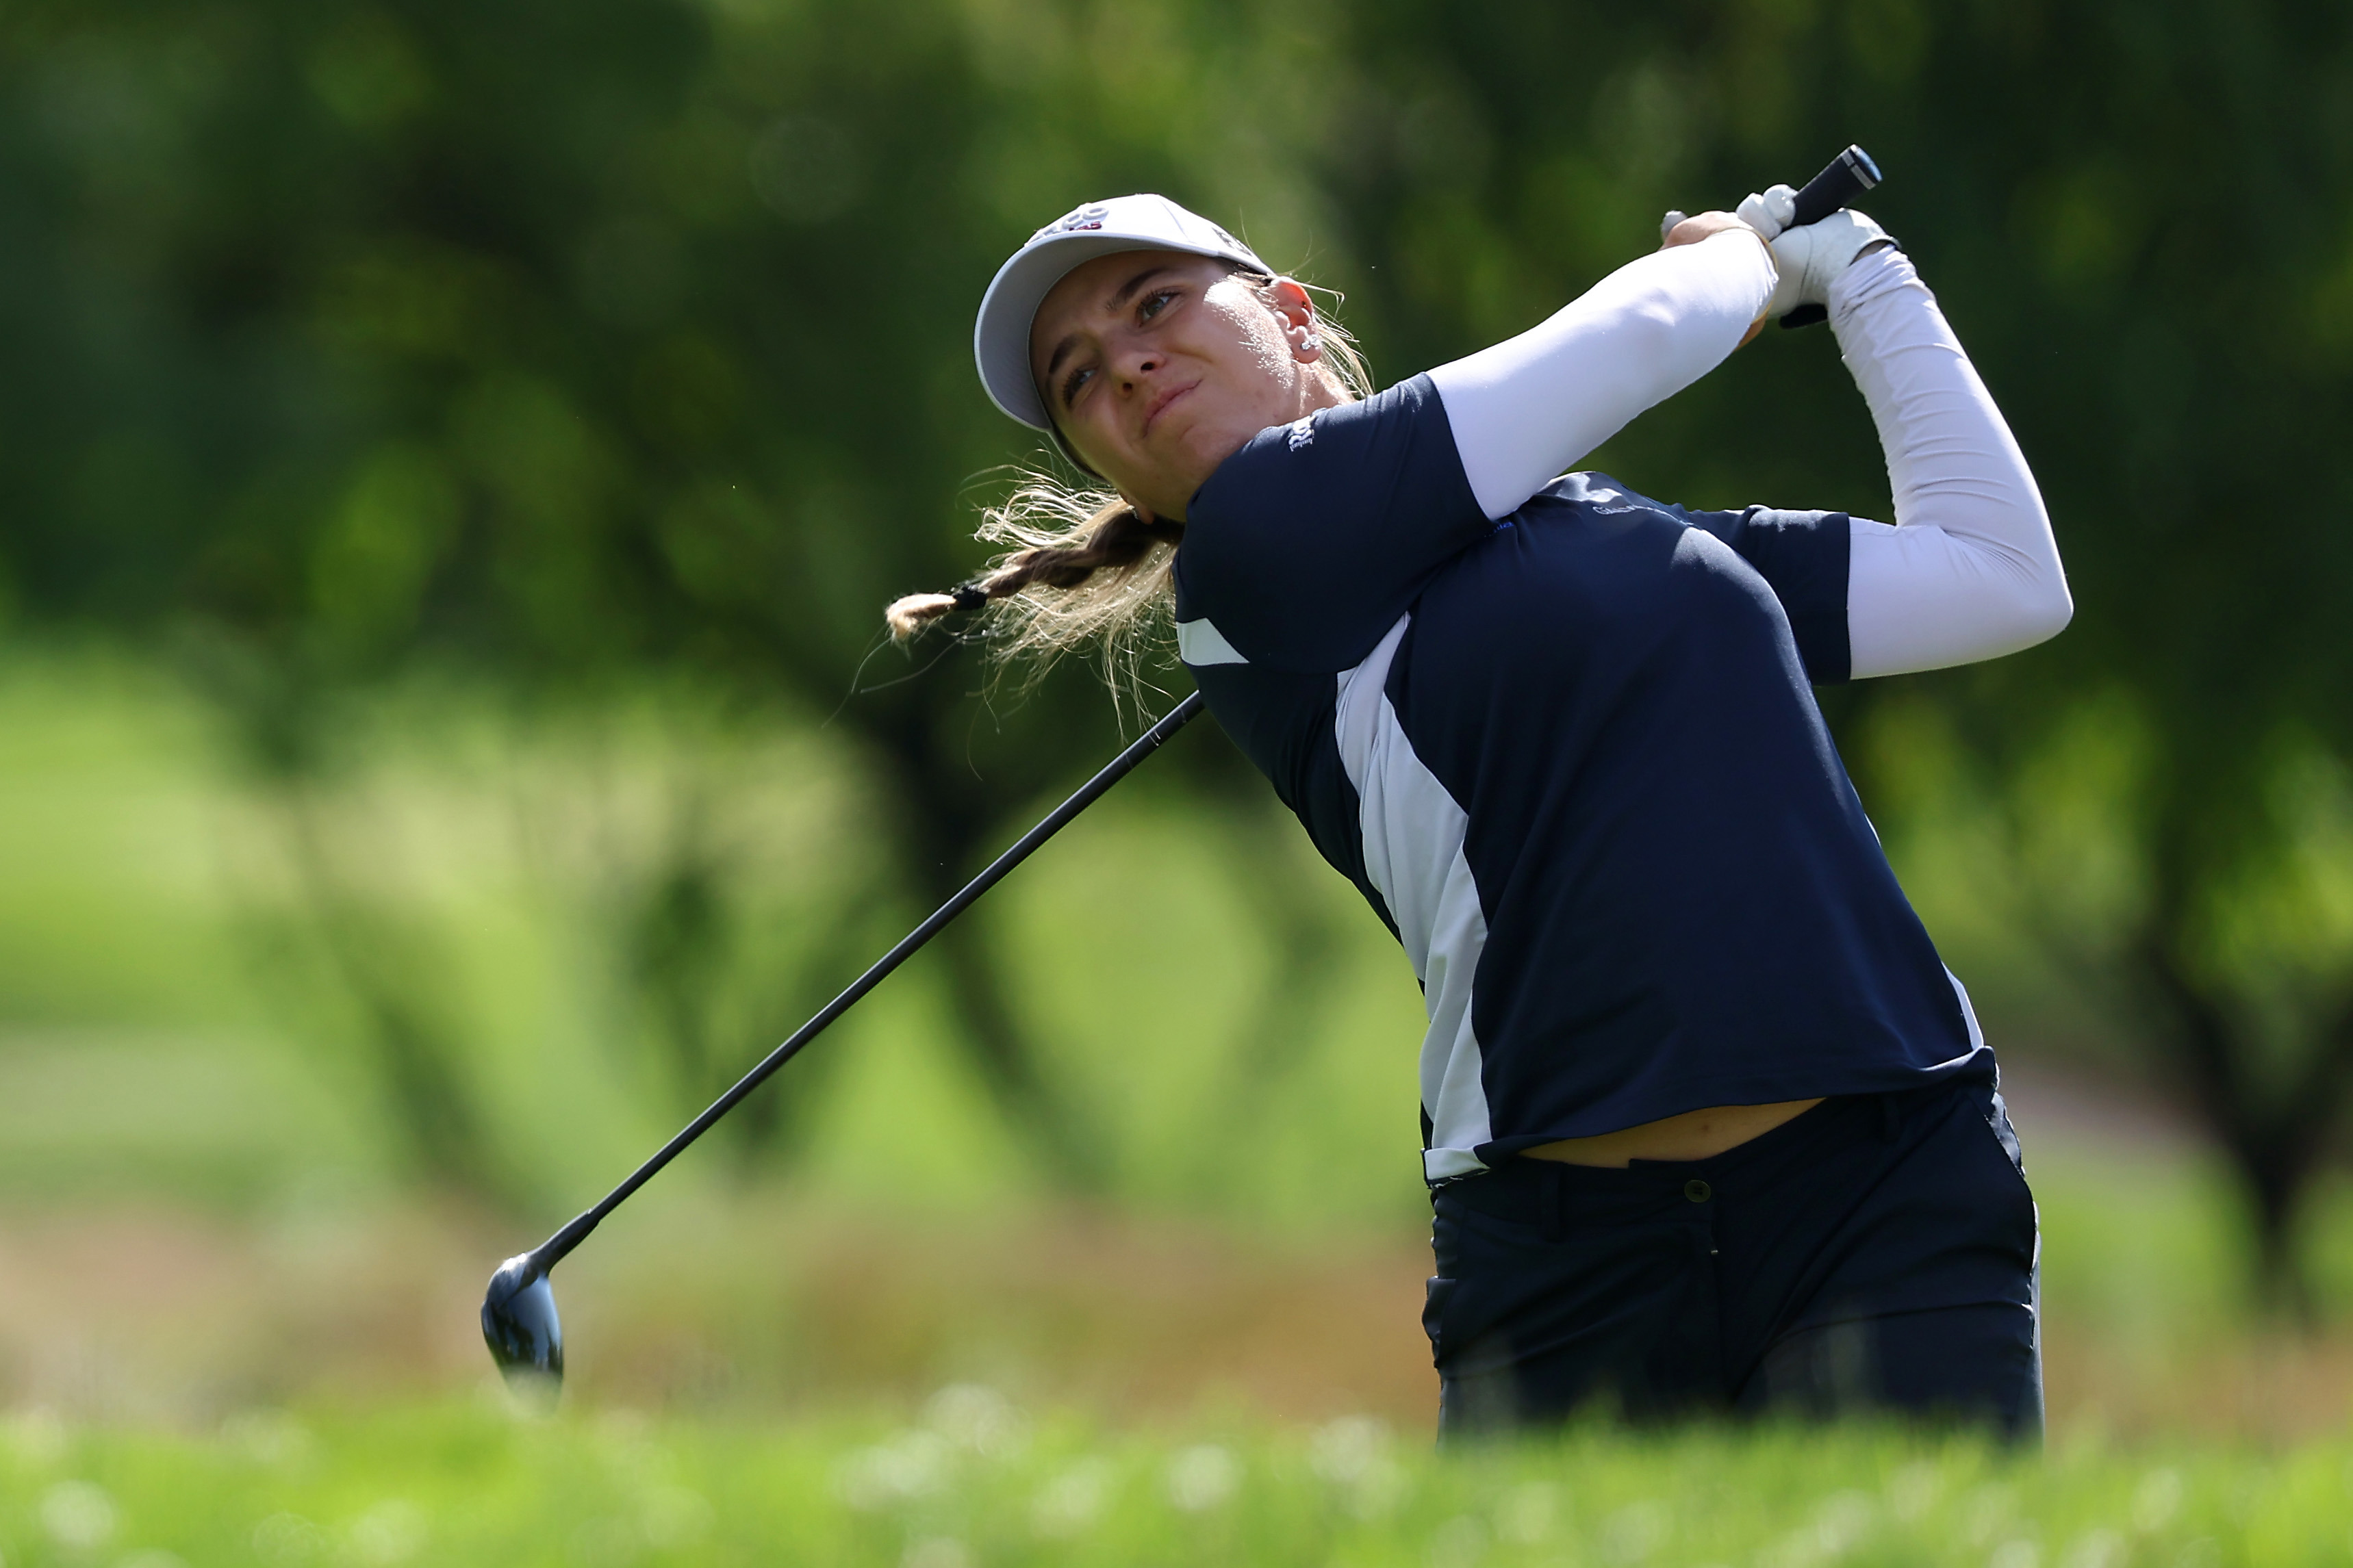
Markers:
point(1692, 1135)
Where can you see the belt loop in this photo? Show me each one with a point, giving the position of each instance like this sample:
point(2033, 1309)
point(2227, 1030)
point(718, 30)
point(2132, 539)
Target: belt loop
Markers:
point(1555, 1177)
point(1890, 1119)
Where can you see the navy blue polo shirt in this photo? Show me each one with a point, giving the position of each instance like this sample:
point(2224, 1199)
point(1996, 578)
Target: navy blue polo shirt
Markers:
point(1573, 759)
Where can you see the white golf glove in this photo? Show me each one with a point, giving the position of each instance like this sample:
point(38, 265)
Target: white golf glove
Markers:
point(1810, 257)
point(1768, 211)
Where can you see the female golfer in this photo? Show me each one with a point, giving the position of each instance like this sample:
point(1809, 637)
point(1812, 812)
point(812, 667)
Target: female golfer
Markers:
point(1709, 1126)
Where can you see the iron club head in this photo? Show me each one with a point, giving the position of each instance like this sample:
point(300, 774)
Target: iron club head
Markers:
point(520, 1325)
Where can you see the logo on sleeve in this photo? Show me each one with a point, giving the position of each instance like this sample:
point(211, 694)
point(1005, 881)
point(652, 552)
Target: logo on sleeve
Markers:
point(1303, 434)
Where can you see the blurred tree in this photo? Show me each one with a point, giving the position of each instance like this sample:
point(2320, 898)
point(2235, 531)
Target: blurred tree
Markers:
point(564, 343)
point(567, 343)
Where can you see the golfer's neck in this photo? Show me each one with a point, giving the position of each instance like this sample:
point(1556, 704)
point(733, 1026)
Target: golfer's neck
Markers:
point(1693, 1136)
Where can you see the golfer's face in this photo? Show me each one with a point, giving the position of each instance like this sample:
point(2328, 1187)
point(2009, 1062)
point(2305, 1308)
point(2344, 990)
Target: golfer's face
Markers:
point(1157, 366)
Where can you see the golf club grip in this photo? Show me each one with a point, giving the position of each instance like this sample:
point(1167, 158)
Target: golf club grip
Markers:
point(1848, 176)
point(549, 1252)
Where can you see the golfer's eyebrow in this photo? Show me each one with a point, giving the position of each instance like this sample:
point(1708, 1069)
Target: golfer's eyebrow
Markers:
point(1119, 300)
point(1117, 303)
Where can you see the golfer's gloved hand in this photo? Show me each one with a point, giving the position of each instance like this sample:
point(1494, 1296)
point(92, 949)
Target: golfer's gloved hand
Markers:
point(1768, 211)
point(1810, 257)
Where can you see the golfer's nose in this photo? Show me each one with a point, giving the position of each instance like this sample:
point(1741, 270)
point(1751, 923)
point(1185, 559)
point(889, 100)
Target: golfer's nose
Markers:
point(1135, 363)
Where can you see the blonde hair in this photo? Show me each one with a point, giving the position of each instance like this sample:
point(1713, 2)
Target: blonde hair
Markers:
point(1084, 567)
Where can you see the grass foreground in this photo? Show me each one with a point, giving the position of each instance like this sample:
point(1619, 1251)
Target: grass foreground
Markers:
point(971, 1480)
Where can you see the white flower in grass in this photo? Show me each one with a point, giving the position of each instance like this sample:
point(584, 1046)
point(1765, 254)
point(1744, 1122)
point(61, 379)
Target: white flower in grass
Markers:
point(1353, 1454)
point(1986, 1513)
point(939, 1551)
point(2015, 1554)
point(912, 1465)
point(1912, 1490)
point(1844, 1519)
point(391, 1531)
point(672, 1517)
point(270, 1437)
point(2100, 1549)
point(1839, 1524)
point(2156, 1500)
point(1634, 1531)
point(605, 1542)
point(1073, 1501)
point(1459, 1542)
point(1343, 1450)
point(1528, 1512)
point(1203, 1477)
point(77, 1515)
point(973, 1415)
point(288, 1541)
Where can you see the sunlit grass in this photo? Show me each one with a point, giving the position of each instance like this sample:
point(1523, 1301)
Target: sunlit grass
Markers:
point(970, 1479)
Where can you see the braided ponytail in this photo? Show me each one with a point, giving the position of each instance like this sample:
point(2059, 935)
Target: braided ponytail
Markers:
point(1086, 566)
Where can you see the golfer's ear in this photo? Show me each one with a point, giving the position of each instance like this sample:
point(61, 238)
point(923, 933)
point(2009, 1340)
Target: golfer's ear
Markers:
point(1288, 298)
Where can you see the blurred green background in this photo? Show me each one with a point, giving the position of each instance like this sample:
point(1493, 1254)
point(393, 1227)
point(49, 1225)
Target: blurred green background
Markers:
point(454, 458)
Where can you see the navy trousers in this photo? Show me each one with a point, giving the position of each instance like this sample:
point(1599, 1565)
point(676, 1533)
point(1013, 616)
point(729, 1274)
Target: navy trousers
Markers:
point(1877, 1253)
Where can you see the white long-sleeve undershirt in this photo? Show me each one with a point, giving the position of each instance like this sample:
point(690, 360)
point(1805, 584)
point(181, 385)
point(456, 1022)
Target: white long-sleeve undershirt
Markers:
point(1525, 411)
point(1969, 571)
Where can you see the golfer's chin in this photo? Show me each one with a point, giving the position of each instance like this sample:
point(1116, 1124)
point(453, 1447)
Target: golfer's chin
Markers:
point(1187, 458)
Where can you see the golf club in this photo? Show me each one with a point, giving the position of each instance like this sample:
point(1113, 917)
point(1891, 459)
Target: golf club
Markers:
point(1849, 175)
point(519, 1319)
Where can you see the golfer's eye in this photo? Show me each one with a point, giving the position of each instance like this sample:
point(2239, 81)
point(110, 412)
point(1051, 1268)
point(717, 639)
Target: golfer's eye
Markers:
point(1153, 304)
point(1072, 383)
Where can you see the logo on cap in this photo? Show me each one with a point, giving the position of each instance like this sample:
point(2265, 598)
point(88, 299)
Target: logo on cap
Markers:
point(1077, 221)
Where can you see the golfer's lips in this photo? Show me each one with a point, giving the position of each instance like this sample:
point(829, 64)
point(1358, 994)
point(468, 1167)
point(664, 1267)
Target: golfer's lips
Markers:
point(1160, 405)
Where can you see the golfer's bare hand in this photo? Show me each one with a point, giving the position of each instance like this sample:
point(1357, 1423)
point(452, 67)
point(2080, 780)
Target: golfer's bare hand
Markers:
point(1693, 229)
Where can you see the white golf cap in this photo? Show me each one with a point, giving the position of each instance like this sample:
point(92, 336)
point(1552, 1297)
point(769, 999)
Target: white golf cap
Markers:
point(1000, 339)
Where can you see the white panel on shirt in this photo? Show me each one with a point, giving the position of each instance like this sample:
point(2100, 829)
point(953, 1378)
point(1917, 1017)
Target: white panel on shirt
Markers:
point(1413, 832)
point(1201, 642)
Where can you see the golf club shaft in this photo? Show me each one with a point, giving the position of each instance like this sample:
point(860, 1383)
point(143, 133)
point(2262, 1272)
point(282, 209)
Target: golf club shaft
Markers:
point(550, 1251)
